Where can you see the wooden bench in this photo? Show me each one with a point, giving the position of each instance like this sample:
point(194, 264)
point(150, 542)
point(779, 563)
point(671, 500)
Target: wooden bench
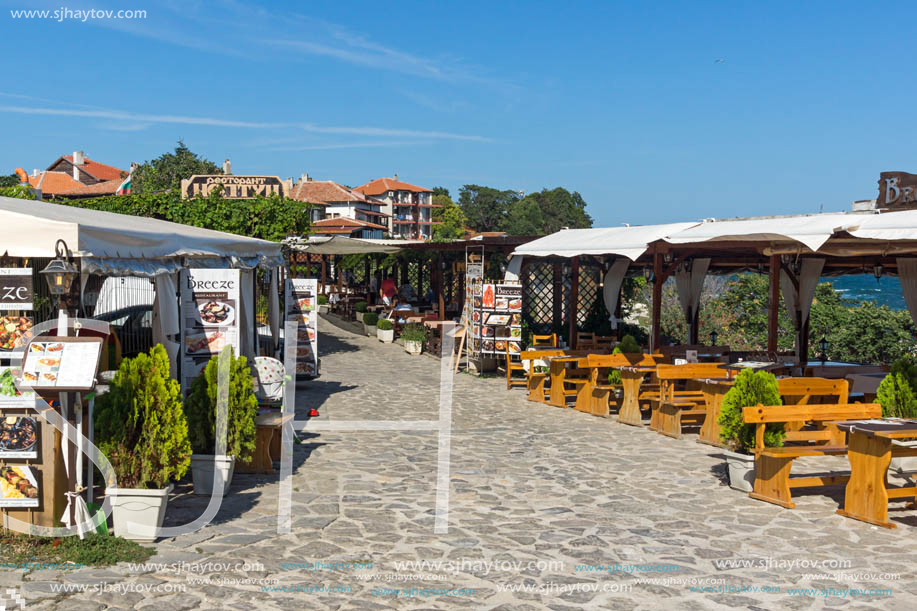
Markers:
point(268, 436)
point(673, 406)
point(594, 397)
point(535, 382)
point(512, 366)
point(772, 465)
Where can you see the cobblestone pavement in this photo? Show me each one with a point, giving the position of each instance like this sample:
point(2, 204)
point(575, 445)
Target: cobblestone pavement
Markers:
point(537, 494)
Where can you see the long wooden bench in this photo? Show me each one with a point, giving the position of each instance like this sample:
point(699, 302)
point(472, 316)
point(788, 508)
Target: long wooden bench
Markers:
point(822, 438)
point(594, 397)
point(673, 406)
point(535, 382)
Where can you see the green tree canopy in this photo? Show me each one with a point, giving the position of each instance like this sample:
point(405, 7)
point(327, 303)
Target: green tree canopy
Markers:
point(539, 213)
point(452, 218)
point(485, 207)
point(559, 208)
point(9, 181)
point(524, 218)
point(167, 171)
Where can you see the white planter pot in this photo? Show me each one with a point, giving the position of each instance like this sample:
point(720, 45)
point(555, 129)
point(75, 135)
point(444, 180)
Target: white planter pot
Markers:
point(142, 509)
point(904, 464)
point(386, 336)
point(205, 468)
point(323, 309)
point(370, 330)
point(741, 469)
point(359, 316)
point(414, 348)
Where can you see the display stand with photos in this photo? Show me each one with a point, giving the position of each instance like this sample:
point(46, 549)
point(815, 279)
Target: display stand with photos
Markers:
point(300, 298)
point(211, 319)
point(39, 471)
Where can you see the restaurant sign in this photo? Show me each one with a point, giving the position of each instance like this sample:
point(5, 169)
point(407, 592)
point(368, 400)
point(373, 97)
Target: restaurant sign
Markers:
point(897, 190)
point(235, 187)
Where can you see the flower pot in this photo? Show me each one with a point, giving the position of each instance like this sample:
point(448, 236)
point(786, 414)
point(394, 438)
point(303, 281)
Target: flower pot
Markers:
point(386, 336)
point(370, 330)
point(359, 316)
point(205, 468)
point(139, 508)
point(741, 469)
point(414, 348)
point(904, 464)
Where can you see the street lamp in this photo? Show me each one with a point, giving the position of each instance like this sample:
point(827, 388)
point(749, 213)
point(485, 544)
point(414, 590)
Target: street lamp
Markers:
point(60, 272)
point(713, 338)
point(823, 347)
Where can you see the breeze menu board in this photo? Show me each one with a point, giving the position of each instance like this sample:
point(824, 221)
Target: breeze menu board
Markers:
point(16, 295)
point(301, 296)
point(496, 319)
point(20, 440)
point(210, 318)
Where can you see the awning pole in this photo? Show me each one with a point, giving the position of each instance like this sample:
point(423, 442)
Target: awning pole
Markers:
point(773, 304)
point(574, 300)
point(655, 336)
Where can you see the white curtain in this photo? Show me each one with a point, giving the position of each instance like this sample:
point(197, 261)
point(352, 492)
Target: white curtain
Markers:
point(689, 280)
point(247, 323)
point(273, 313)
point(907, 274)
point(166, 317)
point(611, 290)
point(513, 269)
point(801, 301)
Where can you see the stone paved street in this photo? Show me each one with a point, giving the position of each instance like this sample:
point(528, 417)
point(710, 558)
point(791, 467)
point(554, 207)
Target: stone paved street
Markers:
point(537, 490)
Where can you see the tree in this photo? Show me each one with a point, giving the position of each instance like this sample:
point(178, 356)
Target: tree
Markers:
point(485, 207)
point(524, 218)
point(441, 191)
point(452, 218)
point(167, 171)
point(559, 208)
point(9, 181)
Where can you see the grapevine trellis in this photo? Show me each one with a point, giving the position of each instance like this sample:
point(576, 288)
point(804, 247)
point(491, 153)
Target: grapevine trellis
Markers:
point(538, 290)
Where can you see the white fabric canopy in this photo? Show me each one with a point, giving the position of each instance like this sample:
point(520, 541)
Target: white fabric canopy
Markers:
point(166, 317)
point(630, 242)
point(799, 301)
point(36, 227)
point(513, 269)
point(907, 274)
point(900, 225)
point(812, 231)
point(611, 289)
point(689, 280)
point(340, 245)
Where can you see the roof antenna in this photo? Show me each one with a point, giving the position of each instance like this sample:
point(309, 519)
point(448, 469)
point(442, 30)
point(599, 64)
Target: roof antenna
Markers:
point(821, 208)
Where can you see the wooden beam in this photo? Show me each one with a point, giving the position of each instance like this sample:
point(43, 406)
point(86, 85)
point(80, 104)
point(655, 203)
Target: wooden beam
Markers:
point(439, 285)
point(574, 300)
point(655, 335)
point(324, 272)
point(773, 304)
point(558, 295)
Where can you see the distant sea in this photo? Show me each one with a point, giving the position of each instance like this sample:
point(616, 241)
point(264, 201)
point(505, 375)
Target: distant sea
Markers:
point(864, 287)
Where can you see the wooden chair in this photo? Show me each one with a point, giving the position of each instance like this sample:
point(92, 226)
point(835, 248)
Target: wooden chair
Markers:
point(512, 366)
point(595, 396)
point(604, 342)
point(585, 341)
point(772, 465)
point(672, 406)
point(545, 340)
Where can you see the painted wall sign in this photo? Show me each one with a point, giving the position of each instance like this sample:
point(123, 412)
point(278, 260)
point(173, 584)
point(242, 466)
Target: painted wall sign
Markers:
point(16, 288)
point(897, 190)
point(235, 187)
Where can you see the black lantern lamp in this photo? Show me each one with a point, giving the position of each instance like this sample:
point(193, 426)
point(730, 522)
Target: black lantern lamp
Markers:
point(60, 272)
point(713, 337)
point(823, 346)
point(877, 271)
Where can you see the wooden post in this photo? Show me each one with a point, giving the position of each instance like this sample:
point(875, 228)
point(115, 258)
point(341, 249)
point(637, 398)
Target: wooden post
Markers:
point(803, 355)
point(655, 335)
point(439, 286)
point(339, 273)
point(695, 327)
point(404, 273)
point(420, 291)
point(574, 300)
point(773, 304)
point(558, 295)
point(324, 273)
point(366, 272)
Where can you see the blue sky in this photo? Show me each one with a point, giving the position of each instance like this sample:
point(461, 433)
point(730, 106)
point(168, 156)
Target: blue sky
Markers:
point(655, 112)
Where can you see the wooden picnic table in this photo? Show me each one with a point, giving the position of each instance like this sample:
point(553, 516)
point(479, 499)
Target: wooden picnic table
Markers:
point(631, 381)
point(714, 390)
point(558, 371)
point(870, 449)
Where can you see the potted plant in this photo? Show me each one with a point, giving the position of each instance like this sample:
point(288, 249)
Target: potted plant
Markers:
point(751, 388)
point(385, 331)
point(141, 427)
point(323, 306)
point(414, 335)
point(369, 323)
point(897, 398)
point(200, 410)
point(360, 309)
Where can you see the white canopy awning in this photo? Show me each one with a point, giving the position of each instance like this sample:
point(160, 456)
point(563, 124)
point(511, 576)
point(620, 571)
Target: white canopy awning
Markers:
point(630, 242)
point(886, 226)
point(33, 229)
point(340, 245)
point(810, 230)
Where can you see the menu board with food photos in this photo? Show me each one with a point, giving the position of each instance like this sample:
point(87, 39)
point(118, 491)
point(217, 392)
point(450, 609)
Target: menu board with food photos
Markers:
point(496, 319)
point(61, 363)
point(301, 296)
point(210, 318)
point(19, 429)
point(15, 295)
point(18, 487)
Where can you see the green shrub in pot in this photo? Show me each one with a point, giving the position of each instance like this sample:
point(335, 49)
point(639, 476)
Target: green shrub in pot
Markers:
point(323, 300)
point(896, 392)
point(385, 325)
point(414, 332)
point(751, 388)
point(628, 345)
point(360, 306)
point(370, 319)
point(242, 409)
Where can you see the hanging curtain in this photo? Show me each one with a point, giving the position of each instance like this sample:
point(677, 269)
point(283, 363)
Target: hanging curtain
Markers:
point(799, 300)
point(513, 269)
point(689, 280)
point(273, 313)
point(611, 290)
point(907, 274)
point(247, 322)
point(166, 316)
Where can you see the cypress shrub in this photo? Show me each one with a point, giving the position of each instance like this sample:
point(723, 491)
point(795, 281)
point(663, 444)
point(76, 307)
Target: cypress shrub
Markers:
point(751, 388)
point(896, 392)
point(242, 409)
point(140, 424)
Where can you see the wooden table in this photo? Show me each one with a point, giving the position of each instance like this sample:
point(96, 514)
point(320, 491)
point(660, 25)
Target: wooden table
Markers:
point(714, 390)
point(866, 383)
point(870, 450)
point(558, 372)
point(268, 436)
point(631, 381)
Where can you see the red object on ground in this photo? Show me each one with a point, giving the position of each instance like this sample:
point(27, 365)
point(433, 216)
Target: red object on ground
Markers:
point(313, 412)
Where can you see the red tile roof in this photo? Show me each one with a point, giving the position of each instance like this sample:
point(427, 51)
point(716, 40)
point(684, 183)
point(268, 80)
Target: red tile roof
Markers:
point(109, 187)
point(346, 222)
point(324, 192)
point(381, 185)
point(52, 183)
point(99, 171)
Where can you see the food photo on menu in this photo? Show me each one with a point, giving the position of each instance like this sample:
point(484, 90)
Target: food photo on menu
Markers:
point(13, 330)
point(18, 486)
point(207, 342)
point(215, 312)
point(42, 363)
point(18, 437)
